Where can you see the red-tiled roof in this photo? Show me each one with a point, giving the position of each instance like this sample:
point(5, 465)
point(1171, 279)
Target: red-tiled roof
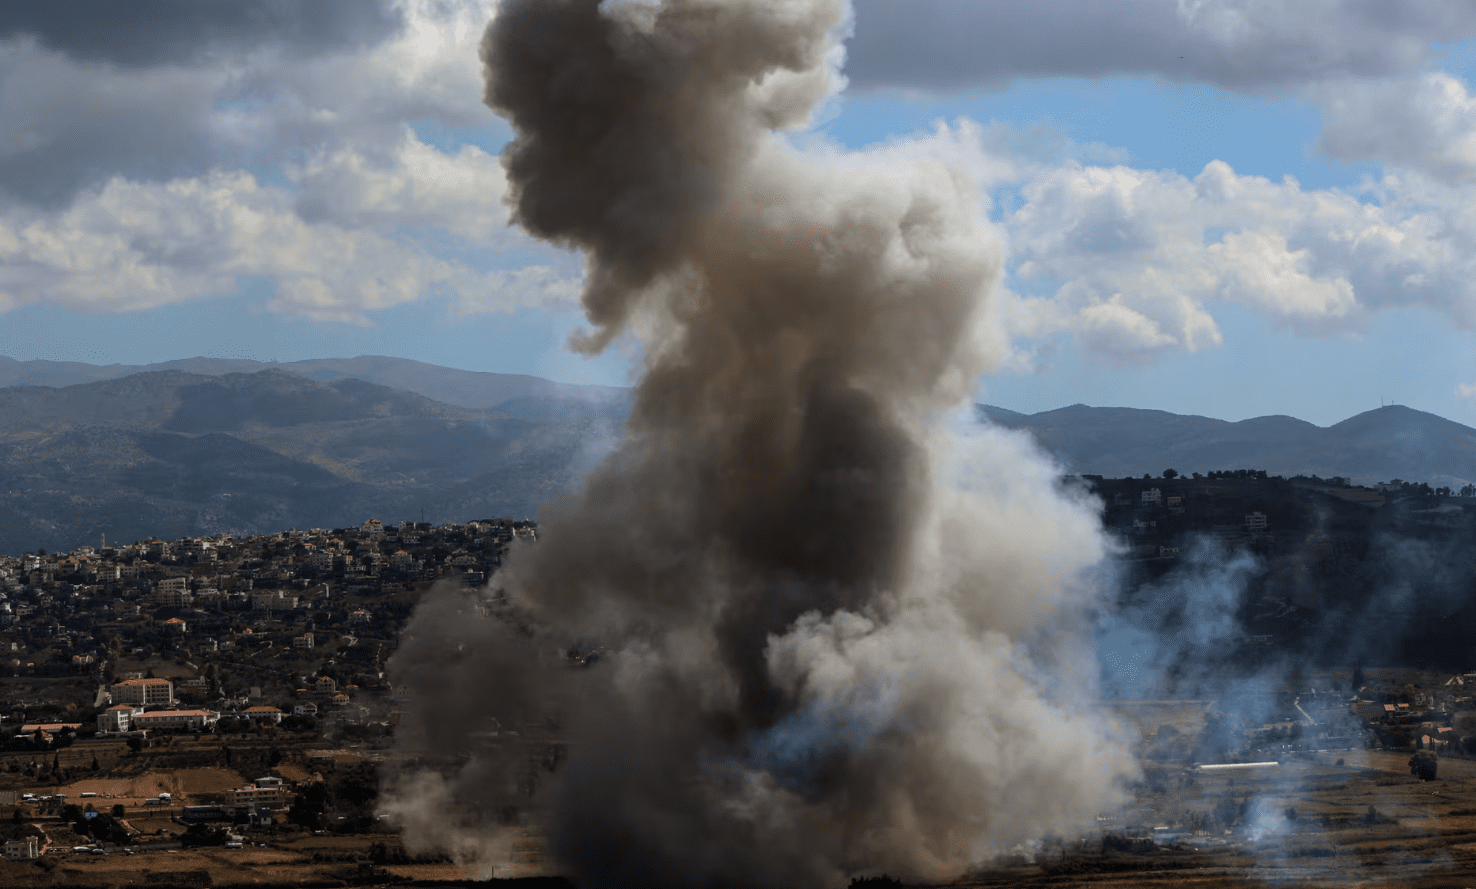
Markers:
point(154, 714)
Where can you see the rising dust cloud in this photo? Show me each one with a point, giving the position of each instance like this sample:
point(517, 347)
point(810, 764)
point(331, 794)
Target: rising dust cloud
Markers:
point(837, 637)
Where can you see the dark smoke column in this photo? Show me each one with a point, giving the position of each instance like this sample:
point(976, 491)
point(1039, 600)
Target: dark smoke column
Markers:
point(827, 617)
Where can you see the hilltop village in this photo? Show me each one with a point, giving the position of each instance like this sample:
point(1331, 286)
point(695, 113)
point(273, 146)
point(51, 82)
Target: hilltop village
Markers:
point(293, 624)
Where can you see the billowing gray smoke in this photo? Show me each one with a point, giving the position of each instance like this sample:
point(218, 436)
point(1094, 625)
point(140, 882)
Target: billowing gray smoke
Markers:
point(837, 637)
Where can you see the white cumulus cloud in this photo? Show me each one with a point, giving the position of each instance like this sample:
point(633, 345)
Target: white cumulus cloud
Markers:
point(1133, 261)
point(133, 245)
point(1426, 124)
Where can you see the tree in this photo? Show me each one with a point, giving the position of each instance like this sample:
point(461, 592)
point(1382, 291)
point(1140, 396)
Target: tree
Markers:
point(1171, 473)
point(95, 764)
point(309, 806)
point(202, 835)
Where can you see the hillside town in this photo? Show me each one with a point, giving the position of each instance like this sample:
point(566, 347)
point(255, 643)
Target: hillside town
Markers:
point(251, 670)
point(203, 659)
point(192, 632)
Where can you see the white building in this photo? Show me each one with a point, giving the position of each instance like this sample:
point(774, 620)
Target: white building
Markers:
point(263, 793)
point(263, 713)
point(272, 600)
point(171, 586)
point(1153, 495)
point(176, 719)
point(22, 849)
point(117, 718)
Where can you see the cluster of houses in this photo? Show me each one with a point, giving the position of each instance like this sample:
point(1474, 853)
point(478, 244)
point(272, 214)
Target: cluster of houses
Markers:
point(294, 602)
point(144, 704)
point(1153, 517)
point(203, 633)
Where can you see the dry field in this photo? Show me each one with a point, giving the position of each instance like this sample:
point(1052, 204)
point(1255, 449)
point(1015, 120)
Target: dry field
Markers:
point(1365, 822)
point(270, 865)
point(1314, 822)
point(183, 784)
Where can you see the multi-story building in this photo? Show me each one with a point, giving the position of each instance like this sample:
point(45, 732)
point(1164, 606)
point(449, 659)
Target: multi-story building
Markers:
point(117, 718)
point(263, 713)
point(263, 793)
point(22, 849)
point(272, 600)
point(176, 719)
point(144, 691)
point(172, 592)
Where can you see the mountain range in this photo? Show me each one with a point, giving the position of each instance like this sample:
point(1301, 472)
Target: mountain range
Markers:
point(1378, 445)
point(207, 446)
point(170, 454)
point(512, 394)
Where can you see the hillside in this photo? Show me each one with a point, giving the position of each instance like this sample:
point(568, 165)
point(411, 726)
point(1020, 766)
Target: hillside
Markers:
point(200, 447)
point(172, 453)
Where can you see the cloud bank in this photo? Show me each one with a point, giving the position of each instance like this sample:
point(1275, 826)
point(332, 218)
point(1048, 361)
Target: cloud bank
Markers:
point(1238, 44)
point(141, 155)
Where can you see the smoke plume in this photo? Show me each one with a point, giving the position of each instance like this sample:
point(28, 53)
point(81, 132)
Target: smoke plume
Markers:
point(823, 635)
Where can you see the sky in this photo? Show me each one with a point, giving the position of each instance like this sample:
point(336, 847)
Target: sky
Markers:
point(1231, 208)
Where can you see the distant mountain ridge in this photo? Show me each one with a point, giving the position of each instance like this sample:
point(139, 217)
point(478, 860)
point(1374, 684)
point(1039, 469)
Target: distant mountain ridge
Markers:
point(174, 451)
point(1378, 445)
point(515, 394)
point(172, 454)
